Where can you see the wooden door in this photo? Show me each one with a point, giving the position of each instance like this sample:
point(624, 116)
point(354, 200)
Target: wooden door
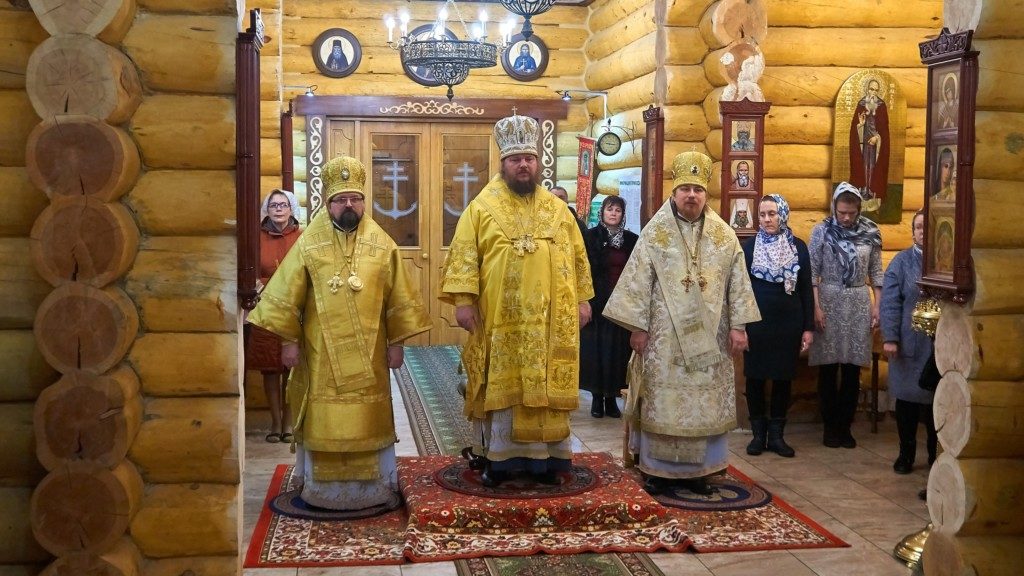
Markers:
point(465, 157)
point(398, 190)
point(420, 177)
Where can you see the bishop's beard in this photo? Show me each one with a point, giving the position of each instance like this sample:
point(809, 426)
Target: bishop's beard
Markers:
point(347, 220)
point(520, 187)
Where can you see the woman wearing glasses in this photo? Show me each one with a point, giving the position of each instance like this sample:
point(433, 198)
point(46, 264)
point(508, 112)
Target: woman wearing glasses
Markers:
point(279, 229)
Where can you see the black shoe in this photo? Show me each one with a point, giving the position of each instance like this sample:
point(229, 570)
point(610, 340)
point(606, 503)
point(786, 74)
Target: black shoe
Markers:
point(923, 495)
point(654, 485)
point(759, 442)
point(903, 465)
point(776, 443)
point(597, 407)
point(474, 461)
point(698, 486)
point(548, 478)
point(491, 478)
point(611, 407)
point(847, 440)
point(830, 438)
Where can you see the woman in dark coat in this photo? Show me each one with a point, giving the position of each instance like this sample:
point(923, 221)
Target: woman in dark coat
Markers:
point(780, 274)
point(604, 345)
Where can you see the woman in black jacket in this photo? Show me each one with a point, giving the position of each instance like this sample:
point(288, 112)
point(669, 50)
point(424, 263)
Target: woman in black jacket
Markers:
point(604, 345)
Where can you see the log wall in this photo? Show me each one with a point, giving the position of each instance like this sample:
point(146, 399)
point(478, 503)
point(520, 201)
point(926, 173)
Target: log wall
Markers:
point(974, 495)
point(120, 237)
point(24, 373)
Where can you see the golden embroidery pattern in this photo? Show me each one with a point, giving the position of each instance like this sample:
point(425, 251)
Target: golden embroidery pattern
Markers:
point(693, 262)
point(525, 243)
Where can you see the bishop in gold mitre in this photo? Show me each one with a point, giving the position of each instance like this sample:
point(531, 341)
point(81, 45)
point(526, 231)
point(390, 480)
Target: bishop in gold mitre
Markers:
point(518, 275)
point(342, 301)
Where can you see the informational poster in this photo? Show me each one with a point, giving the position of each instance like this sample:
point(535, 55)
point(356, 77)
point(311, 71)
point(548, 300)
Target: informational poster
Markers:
point(629, 190)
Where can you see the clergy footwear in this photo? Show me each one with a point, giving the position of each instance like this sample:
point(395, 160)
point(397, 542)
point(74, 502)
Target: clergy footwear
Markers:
point(597, 407)
point(491, 478)
point(548, 478)
point(654, 485)
point(698, 486)
point(611, 407)
point(831, 438)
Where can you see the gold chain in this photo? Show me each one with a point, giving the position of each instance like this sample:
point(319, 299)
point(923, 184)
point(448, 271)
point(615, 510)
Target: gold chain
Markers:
point(694, 260)
point(352, 261)
point(525, 244)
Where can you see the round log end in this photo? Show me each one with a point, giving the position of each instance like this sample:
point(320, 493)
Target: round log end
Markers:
point(954, 341)
point(81, 507)
point(78, 74)
point(74, 155)
point(80, 239)
point(79, 327)
point(86, 417)
point(952, 410)
point(947, 491)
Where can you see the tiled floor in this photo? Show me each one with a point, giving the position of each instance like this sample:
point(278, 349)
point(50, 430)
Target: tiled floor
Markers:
point(853, 493)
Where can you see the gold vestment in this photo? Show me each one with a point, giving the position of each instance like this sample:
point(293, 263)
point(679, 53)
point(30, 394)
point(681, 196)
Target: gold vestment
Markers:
point(340, 392)
point(521, 260)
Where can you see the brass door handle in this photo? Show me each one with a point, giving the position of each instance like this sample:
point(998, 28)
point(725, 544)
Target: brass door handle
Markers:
point(426, 256)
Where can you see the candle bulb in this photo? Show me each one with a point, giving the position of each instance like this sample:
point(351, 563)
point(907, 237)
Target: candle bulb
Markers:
point(404, 18)
point(390, 23)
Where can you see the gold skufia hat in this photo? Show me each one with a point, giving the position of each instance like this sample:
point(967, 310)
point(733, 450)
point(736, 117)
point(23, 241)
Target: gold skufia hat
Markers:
point(691, 168)
point(343, 174)
point(516, 135)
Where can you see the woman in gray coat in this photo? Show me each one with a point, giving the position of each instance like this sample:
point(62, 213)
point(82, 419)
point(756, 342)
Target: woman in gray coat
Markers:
point(908, 350)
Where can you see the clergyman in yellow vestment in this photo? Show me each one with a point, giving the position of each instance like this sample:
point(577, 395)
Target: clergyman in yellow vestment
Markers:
point(518, 275)
point(342, 301)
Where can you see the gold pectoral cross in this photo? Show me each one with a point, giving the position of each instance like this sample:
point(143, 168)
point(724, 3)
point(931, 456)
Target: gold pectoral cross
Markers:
point(524, 244)
point(334, 283)
point(701, 282)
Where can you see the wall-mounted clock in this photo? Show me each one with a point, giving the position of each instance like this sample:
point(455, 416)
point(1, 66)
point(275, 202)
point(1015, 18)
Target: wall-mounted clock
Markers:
point(609, 143)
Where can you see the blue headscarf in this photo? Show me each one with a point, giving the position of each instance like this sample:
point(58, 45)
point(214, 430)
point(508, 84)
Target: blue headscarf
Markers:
point(775, 256)
point(843, 241)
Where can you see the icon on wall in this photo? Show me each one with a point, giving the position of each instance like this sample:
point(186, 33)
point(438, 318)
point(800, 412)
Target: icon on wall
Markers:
point(421, 74)
point(525, 60)
point(336, 53)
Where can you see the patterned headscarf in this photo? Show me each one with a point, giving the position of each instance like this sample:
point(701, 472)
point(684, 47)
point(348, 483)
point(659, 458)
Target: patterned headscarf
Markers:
point(775, 256)
point(615, 236)
point(843, 241)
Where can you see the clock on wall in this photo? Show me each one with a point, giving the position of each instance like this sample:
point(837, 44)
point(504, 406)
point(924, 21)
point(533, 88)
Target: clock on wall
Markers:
point(609, 143)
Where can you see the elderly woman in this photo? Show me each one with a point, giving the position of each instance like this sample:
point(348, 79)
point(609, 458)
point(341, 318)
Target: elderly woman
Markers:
point(780, 274)
point(604, 345)
point(846, 267)
point(279, 229)
point(908, 351)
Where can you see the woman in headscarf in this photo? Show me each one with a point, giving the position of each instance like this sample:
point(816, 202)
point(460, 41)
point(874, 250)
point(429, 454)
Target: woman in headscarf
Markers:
point(780, 274)
point(846, 267)
point(279, 229)
point(909, 351)
point(604, 345)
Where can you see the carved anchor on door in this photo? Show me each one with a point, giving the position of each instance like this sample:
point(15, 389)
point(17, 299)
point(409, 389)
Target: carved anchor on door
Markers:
point(395, 173)
point(466, 177)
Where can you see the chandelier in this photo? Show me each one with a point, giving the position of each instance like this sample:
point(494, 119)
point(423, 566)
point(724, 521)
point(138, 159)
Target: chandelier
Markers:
point(526, 9)
point(447, 58)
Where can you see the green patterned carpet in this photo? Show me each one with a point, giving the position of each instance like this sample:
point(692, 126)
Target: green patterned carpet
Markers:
point(429, 382)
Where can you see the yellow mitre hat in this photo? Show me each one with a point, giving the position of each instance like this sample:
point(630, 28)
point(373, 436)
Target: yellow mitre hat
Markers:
point(516, 135)
point(343, 174)
point(691, 168)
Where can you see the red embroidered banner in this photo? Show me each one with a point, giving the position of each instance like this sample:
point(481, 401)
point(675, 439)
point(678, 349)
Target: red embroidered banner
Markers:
point(584, 169)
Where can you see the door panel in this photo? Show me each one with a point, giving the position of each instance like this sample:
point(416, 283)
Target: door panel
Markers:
point(421, 176)
point(467, 156)
point(397, 190)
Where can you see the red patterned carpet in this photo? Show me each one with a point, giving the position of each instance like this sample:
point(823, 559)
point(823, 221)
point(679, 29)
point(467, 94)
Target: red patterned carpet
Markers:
point(601, 508)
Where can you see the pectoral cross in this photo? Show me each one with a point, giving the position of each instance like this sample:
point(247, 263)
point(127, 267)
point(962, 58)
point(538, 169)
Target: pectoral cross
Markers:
point(701, 282)
point(334, 283)
point(524, 244)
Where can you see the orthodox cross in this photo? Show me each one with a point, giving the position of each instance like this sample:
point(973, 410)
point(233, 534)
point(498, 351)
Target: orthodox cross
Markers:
point(372, 245)
point(394, 175)
point(466, 177)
